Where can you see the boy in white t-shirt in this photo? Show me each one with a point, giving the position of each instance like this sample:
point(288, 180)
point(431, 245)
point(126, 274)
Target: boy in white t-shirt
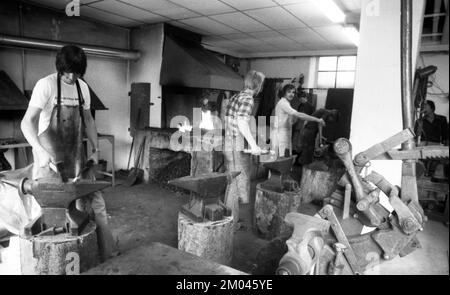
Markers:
point(71, 65)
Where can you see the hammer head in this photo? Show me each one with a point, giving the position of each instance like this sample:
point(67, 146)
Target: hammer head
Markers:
point(206, 185)
point(342, 146)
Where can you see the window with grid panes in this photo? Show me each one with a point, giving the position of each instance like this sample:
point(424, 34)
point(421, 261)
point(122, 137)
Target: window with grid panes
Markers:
point(336, 72)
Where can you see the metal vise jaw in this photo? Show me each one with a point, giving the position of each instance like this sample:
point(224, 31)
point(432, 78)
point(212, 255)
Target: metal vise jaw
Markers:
point(305, 245)
point(206, 192)
point(279, 180)
point(411, 216)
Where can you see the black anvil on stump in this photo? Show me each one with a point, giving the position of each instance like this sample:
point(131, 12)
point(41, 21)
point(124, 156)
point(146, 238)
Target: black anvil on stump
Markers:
point(276, 197)
point(206, 193)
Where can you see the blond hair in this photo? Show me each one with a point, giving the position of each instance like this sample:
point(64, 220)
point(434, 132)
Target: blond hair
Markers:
point(254, 80)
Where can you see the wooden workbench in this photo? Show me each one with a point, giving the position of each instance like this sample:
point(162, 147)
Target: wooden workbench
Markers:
point(160, 259)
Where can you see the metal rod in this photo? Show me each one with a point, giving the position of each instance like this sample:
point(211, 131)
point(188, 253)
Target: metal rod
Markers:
point(406, 68)
point(409, 182)
point(41, 44)
point(435, 15)
point(432, 35)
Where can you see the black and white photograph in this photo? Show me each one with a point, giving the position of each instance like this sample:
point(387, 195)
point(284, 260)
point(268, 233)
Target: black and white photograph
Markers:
point(224, 145)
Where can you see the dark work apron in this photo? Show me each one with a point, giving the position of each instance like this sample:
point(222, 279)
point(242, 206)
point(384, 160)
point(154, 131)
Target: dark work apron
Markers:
point(63, 138)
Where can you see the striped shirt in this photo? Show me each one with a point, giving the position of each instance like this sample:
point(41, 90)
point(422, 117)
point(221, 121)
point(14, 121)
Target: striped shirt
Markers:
point(239, 107)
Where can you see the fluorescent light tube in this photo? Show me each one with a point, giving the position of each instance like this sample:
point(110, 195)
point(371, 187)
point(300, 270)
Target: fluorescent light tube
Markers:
point(331, 10)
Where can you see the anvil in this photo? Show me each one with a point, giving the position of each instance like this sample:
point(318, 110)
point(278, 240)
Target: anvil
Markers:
point(206, 192)
point(52, 194)
point(279, 171)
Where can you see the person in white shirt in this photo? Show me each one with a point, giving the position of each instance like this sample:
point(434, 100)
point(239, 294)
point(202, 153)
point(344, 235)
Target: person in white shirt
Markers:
point(285, 116)
point(57, 117)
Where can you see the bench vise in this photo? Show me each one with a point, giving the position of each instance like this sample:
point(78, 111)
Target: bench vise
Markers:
point(304, 246)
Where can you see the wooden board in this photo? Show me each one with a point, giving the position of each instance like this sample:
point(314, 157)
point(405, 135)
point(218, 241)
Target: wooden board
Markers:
point(139, 106)
point(160, 259)
point(211, 240)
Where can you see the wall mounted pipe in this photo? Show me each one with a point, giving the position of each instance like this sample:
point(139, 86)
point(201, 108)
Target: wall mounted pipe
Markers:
point(409, 181)
point(41, 44)
point(406, 68)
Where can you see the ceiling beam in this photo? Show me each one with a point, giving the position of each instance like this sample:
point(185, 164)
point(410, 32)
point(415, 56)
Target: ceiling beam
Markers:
point(434, 48)
point(306, 53)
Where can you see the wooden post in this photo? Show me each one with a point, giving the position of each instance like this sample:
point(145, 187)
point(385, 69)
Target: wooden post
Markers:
point(270, 209)
point(53, 255)
point(347, 199)
point(318, 184)
point(212, 240)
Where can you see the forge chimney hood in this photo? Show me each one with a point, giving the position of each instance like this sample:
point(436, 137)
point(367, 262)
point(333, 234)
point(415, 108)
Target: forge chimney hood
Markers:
point(187, 64)
point(11, 98)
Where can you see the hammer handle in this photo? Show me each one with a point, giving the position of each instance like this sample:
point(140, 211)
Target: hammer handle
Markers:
point(343, 149)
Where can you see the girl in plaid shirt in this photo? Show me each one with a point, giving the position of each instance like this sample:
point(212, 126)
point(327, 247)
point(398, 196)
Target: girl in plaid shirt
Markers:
point(237, 128)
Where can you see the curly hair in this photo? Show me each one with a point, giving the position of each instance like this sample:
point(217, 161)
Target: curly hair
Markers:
point(285, 90)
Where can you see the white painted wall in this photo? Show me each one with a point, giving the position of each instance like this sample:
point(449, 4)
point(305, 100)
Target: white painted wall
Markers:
point(377, 112)
point(108, 78)
point(149, 41)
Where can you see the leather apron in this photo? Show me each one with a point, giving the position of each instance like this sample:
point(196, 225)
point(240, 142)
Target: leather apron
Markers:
point(284, 141)
point(63, 138)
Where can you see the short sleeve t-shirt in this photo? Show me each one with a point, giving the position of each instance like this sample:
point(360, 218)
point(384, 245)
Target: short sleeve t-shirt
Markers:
point(284, 113)
point(45, 94)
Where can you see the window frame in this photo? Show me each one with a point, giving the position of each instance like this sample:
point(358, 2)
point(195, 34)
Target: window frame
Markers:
point(336, 71)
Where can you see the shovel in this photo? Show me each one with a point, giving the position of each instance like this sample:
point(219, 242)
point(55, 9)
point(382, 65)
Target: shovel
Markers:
point(136, 173)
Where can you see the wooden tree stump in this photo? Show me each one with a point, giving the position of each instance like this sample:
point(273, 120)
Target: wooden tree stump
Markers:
point(54, 255)
point(318, 183)
point(212, 240)
point(270, 209)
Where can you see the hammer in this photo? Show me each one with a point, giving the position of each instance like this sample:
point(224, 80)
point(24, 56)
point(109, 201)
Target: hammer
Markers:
point(343, 149)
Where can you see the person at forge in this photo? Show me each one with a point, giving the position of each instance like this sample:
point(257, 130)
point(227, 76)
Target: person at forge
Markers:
point(237, 131)
point(311, 135)
point(57, 117)
point(285, 116)
point(302, 105)
point(431, 128)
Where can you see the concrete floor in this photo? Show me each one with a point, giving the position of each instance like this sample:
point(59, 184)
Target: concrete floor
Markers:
point(148, 213)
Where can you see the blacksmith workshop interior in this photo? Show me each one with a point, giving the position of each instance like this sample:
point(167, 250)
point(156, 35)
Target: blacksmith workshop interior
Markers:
point(224, 137)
